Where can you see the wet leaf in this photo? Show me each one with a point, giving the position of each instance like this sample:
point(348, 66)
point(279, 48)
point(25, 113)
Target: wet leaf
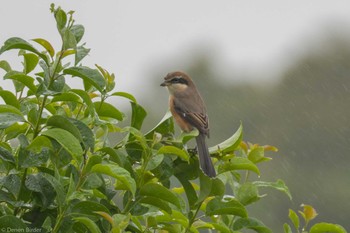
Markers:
point(225, 206)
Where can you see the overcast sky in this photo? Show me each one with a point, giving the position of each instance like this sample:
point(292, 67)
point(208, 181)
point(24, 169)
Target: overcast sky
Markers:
point(133, 38)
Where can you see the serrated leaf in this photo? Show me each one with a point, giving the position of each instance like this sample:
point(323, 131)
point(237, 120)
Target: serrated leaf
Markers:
point(238, 163)
point(67, 140)
point(225, 206)
point(327, 227)
point(174, 151)
point(104, 109)
point(89, 75)
point(309, 212)
point(229, 144)
point(159, 191)
point(18, 43)
point(278, 185)
point(46, 45)
point(117, 172)
point(251, 223)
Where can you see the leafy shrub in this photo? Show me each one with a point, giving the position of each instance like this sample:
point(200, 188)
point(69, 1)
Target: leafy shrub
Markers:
point(60, 173)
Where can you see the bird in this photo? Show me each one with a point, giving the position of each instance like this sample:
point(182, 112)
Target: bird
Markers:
point(189, 112)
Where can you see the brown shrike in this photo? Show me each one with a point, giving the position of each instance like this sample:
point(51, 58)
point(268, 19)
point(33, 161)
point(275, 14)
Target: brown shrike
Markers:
point(189, 111)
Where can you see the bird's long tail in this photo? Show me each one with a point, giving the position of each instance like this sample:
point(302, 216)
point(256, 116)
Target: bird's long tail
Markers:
point(204, 156)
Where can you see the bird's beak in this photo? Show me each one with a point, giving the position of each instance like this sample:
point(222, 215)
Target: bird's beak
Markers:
point(164, 84)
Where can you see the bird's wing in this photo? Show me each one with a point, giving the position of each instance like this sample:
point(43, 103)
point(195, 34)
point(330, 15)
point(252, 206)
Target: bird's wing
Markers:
point(197, 119)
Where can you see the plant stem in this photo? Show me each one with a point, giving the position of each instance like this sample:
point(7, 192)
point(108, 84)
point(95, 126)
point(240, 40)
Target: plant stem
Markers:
point(193, 219)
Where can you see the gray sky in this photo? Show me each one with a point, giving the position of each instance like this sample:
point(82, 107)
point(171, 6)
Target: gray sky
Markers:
point(134, 38)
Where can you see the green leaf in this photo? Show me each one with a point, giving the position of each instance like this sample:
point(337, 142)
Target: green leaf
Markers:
point(89, 208)
point(61, 194)
point(22, 78)
point(287, 228)
point(157, 203)
point(39, 143)
point(5, 65)
point(154, 162)
point(294, 218)
point(278, 185)
point(12, 183)
point(6, 155)
point(189, 190)
point(247, 193)
point(257, 155)
point(9, 115)
point(9, 98)
point(10, 222)
point(88, 137)
point(138, 115)
point(238, 163)
point(61, 18)
point(86, 99)
point(104, 109)
point(46, 45)
point(30, 62)
point(160, 192)
point(90, 225)
point(229, 144)
point(164, 127)
point(174, 151)
point(225, 206)
point(66, 96)
point(44, 189)
point(69, 41)
point(67, 140)
point(324, 227)
point(117, 172)
point(78, 32)
point(18, 43)
point(251, 223)
point(92, 76)
point(205, 187)
point(80, 53)
point(63, 122)
point(125, 95)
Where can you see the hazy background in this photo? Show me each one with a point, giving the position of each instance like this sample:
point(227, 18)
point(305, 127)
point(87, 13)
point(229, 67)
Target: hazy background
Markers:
point(282, 68)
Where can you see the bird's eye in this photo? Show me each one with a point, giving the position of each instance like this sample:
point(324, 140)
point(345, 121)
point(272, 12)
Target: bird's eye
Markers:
point(175, 80)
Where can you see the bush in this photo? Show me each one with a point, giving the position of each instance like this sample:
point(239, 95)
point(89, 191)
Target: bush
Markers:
point(60, 172)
